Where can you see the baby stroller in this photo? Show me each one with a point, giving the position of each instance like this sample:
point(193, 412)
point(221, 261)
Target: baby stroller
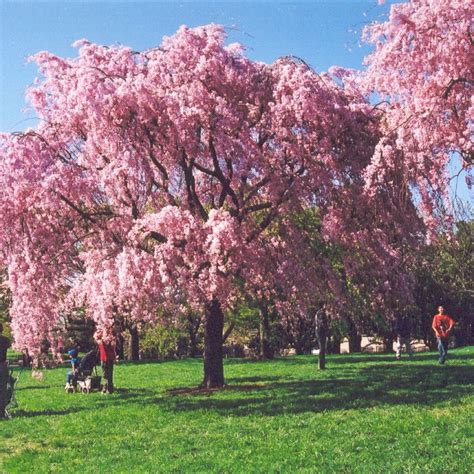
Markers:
point(86, 378)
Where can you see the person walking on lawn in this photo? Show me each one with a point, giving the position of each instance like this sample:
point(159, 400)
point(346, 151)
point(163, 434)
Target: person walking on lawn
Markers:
point(442, 325)
point(107, 358)
point(4, 374)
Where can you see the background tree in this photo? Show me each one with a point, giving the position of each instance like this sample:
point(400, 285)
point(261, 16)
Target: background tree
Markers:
point(422, 71)
point(444, 275)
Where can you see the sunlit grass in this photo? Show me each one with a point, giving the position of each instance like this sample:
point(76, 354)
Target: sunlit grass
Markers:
point(363, 414)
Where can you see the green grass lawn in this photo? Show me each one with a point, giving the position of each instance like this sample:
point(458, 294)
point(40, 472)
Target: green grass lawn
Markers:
point(363, 414)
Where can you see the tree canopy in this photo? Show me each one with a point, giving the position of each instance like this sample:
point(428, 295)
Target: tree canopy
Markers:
point(168, 177)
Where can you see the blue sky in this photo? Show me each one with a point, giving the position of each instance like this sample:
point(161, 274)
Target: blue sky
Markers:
point(317, 31)
point(322, 32)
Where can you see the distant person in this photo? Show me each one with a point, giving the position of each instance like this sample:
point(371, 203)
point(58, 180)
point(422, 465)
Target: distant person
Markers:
point(442, 325)
point(75, 361)
point(4, 374)
point(403, 330)
point(107, 358)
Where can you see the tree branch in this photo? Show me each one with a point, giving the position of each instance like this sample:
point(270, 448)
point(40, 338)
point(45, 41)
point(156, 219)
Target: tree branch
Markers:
point(452, 83)
point(228, 332)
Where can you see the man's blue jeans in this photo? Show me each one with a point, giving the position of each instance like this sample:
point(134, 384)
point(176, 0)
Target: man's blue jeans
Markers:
point(442, 348)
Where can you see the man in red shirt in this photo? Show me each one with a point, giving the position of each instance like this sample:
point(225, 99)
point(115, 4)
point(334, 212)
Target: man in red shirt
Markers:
point(107, 358)
point(442, 325)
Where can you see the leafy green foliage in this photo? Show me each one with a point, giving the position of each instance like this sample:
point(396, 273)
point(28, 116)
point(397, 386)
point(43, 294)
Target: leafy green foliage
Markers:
point(445, 275)
point(164, 342)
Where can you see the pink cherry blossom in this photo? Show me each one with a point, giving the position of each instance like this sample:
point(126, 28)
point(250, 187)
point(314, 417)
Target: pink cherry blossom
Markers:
point(173, 176)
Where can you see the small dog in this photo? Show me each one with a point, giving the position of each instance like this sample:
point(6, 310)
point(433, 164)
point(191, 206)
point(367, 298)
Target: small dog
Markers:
point(85, 386)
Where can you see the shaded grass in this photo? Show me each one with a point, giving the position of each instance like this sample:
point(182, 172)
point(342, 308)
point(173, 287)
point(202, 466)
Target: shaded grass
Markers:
point(363, 414)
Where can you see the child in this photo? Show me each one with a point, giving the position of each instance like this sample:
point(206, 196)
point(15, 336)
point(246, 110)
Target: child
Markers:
point(71, 375)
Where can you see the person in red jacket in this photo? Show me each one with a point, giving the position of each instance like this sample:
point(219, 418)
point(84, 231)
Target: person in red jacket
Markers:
point(442, 325)
point(107, 358)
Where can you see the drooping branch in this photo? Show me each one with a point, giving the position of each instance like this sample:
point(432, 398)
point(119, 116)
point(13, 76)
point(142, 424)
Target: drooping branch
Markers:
point(452, 83)
point(85, 215)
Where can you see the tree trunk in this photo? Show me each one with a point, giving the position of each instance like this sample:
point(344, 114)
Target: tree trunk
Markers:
point(26, 359)
point(334, 344)
point(300, 333)
point(322, 350)
point(193, 329)
point(119, 347)
point(265, 349)
point(355, 342)
point(322, 330)
point(355, 339)
point(134, 349)
point(213, 353)
point(388, 343)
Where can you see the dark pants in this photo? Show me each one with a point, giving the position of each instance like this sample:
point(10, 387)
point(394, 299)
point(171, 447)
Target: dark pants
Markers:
point(4, 374)
point(107, 373)
point(442, 348)
point(70, 377)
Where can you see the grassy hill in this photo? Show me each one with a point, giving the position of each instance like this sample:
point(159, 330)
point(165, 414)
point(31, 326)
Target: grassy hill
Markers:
point(364, 414)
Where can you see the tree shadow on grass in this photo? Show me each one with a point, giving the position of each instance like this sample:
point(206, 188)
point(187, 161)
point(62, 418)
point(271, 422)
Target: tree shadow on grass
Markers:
point(121, 396)
point(418, 356)
point(128, 393)
point(34, 387)
point(375, 386)
point(258, 360)
point(210, 391)
point(239, 380)
point(47, 412)
point(132, 363)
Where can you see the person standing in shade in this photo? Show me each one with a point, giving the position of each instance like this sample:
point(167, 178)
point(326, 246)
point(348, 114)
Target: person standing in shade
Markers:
point(442, 326)
point(403, 330)
point(4, 374)
point(107, 358)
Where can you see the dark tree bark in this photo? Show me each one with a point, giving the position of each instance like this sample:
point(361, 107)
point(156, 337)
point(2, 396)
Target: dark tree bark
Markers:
point(334, 344)
point(299, 348)
point(265, 349)
point(193, 329)
point(134, 349)
point(26, 359)
point(213, 351)
point(388, 343)
point(322, 330)
point(303, 335)
point(119, 347)
point(322, 351)
point(355, 339)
